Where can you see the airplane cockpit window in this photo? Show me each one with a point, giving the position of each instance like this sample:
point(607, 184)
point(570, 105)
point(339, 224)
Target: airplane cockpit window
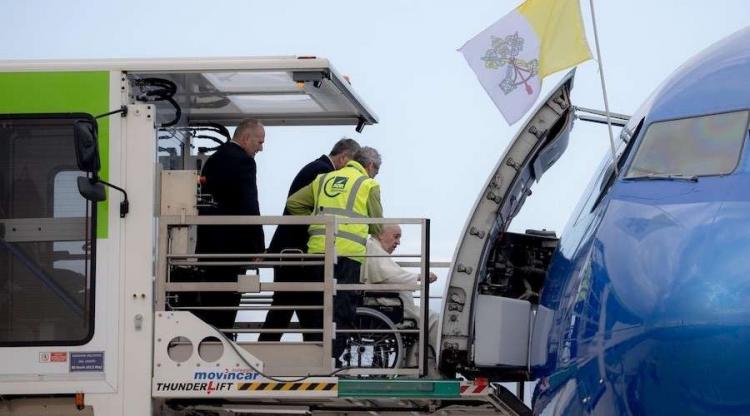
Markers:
point(624, 147)
point(691, 147)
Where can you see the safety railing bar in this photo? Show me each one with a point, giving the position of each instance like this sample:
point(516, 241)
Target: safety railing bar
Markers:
point(414, 264)
point(272, 255)
point(398, 221)
point(424, 293)
point(433, 264)
point(236, 287)
point(247, 297)
point(177, 220)
point(202, 287)
point(329, 284)
point(377, 331)
point(276, 331)
point(291, 287)
point(266, 264)
point(284, 287)
point(302, 257)
point(162, 271)
point(258, 255)
point(217, 343)
point(262, 295)
point(254, 264)
point(261, 325)
point(263, 302)
point(246, 308)
point(180, 221)
point(379, 287)
point(313, 331)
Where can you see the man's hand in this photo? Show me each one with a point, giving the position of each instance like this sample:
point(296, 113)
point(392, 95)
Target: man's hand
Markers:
point(260, 259)
point(433, 278)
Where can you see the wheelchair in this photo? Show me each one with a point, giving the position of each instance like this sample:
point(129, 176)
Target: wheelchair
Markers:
point(382, 348)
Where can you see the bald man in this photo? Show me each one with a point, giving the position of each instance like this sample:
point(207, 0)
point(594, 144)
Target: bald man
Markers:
point(385, 270)
point(230, 177)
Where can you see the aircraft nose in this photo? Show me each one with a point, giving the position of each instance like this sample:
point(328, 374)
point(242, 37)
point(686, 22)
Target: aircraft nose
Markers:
point(682, 265)
point(682, 278)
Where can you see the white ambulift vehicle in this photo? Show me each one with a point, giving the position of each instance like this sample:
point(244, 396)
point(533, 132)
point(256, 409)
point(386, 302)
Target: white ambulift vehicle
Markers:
point(88, 318)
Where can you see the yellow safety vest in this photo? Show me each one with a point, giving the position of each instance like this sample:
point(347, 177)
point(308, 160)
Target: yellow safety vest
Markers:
point(343, 193)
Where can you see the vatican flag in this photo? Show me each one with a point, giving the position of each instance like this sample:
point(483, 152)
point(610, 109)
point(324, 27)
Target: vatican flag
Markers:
point(511, 57)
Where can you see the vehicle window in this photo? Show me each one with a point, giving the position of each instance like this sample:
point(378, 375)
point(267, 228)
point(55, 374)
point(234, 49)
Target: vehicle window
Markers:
point(46, 234)
point(697, 146)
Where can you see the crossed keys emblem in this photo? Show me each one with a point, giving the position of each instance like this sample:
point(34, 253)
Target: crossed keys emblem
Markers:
point(504, 52)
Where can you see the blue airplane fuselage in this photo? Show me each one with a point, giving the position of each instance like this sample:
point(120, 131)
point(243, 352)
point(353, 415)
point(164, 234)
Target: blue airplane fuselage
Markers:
point(650, 285)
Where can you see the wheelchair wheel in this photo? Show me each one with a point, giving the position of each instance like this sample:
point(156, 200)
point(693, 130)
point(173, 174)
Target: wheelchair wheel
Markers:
point(376, 349)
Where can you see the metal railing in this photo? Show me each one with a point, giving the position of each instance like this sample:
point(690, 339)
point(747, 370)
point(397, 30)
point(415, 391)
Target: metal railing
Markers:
point(171, 256)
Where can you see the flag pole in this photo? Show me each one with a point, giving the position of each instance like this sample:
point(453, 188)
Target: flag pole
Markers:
point(604, 87)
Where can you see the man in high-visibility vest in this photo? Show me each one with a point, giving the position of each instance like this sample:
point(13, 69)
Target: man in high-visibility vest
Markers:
point(294, 237)
point(350, 192)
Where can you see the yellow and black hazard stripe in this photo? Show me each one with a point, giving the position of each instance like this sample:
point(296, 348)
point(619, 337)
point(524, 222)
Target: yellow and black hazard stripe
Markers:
point(260, 386)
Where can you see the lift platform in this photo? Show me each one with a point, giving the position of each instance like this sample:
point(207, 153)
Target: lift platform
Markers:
point(356, 396)
point(92, 279)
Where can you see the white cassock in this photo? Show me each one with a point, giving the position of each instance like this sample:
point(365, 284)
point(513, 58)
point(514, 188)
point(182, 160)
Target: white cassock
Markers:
point(385, 270)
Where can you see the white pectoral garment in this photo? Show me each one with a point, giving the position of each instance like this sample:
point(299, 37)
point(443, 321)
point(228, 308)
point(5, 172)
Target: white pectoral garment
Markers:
point(385, 270)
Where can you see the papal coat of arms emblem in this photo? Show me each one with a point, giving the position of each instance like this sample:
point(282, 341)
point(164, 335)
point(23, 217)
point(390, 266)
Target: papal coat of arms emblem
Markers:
point(504, 52)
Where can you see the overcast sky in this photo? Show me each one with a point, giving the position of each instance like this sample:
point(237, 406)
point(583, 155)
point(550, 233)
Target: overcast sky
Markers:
point(440, 135)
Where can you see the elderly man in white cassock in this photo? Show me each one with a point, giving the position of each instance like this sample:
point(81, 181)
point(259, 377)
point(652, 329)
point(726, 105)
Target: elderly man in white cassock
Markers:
point(385, 270)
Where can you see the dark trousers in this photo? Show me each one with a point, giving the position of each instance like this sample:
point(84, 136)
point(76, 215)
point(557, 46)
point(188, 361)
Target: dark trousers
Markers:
point(345, 303)
point(307, 318)
point(217, 318)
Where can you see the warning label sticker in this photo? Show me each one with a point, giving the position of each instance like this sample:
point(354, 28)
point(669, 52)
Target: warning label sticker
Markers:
point(53, 357)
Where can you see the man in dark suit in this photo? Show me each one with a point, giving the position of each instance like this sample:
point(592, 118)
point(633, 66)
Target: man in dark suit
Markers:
point(293, 238)
point(230, 178)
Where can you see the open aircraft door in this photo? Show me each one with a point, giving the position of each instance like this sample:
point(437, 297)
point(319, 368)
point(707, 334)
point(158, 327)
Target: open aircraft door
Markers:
point(492, 324)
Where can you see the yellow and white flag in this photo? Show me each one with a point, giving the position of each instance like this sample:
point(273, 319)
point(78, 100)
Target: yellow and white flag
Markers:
point(511, 57)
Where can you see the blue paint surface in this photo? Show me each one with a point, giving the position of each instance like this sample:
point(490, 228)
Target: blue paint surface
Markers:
point(651, 282)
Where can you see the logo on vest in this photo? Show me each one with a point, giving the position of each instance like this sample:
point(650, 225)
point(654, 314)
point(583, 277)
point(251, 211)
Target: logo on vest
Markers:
point(335, 186)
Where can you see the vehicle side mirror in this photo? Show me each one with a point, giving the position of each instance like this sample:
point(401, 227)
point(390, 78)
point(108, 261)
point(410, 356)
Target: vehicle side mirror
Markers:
point(87, 150)
point(91, 190)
